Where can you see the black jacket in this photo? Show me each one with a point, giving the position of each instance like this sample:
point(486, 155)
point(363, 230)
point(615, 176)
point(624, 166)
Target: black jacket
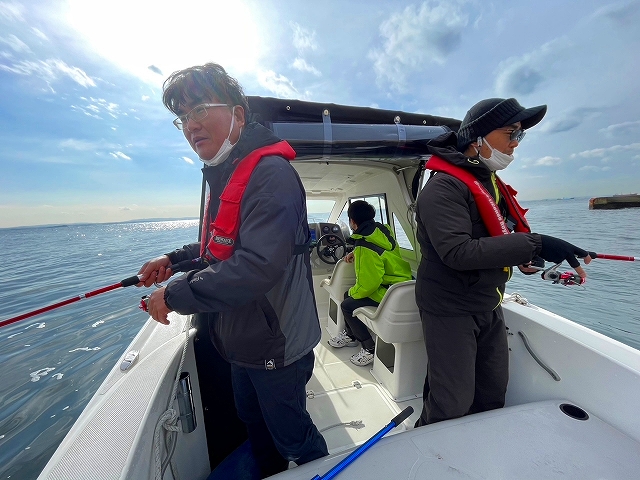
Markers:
point(463, 269)
point(263, 293)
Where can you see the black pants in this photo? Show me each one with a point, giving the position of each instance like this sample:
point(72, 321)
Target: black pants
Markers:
point(354, 327)
point(468, 365)
point(272, 404)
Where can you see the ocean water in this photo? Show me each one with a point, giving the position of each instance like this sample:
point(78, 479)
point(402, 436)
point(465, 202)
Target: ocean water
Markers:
point(53, 363)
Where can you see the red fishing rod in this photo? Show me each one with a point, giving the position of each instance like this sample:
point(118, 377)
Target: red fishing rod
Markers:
point(124, 283)
point(127, 282)
point(617, 257)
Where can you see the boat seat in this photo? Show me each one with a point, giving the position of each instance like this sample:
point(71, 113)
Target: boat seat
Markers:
point(343, 278)
point(400, 362)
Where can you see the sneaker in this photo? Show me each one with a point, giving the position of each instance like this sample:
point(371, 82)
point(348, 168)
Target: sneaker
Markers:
point(342, 340)
point(362, 358)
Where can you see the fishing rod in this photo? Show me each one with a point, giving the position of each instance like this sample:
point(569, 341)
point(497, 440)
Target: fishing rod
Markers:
point(605, 256)
point(397, 420)
point(185, 265)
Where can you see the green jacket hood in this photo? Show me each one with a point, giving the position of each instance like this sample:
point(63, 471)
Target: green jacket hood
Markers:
point(371, 232)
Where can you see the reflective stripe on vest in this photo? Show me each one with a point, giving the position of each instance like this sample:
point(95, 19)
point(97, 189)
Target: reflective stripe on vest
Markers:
point(487, 207)
point(223, 231)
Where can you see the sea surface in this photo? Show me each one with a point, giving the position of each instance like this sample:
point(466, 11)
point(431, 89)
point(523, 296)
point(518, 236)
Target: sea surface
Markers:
point(53, 363)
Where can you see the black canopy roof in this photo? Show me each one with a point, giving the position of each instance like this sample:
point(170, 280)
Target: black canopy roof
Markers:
point(269, 110)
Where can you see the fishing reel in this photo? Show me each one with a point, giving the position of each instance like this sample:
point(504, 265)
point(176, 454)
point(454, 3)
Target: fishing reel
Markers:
point(143, 304)
point(561, 278)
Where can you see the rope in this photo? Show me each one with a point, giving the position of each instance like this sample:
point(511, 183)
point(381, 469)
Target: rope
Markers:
point(169, 421)
point(357, 424)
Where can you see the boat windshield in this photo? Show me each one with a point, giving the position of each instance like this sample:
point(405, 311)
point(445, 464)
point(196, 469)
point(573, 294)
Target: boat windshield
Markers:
point(318, 211)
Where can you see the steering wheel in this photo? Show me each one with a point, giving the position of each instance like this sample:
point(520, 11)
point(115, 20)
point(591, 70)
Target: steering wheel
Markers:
point(331, 248)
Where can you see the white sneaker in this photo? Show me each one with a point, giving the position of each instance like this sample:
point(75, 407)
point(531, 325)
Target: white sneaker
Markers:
point(342, 340)
point(362, 358)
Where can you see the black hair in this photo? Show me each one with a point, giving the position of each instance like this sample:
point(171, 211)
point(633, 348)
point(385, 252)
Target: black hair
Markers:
point(201, 84)
point(361, 211)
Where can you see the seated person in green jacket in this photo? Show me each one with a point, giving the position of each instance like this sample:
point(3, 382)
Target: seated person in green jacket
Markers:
point(378, 265)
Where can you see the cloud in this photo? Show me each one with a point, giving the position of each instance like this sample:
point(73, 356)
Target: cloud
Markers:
point(547, 161)
point(302, 65)
point(303, 39)
point(591, 168)
point(85, 145)
point(119, 155)
point(280, 85)
point(50, 70)
point(601, 152)
point(110, 107)
point(519, 78)
point(416, 36)
point(15, 44)
point(525, 74)
point(97, 106)
point(569, 120)
point(188, 160)
point(85, 111)
point(12, 11)
point(144, 98)
point(39, 33)
point(155, 69)
point(126, 209)
point(624, 128)
point(621, 13)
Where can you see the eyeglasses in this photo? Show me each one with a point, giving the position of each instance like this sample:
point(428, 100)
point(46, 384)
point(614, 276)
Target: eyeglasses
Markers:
point(198, 114)
point(517, 135)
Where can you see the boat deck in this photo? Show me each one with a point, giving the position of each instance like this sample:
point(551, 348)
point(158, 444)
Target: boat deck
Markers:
point(531, 441)
point(346, 402)
point(534, 440)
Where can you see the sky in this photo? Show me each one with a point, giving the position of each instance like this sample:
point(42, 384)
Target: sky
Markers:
point(84, 136)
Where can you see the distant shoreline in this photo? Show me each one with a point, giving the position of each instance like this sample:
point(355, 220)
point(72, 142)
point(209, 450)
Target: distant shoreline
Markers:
point(76, 224)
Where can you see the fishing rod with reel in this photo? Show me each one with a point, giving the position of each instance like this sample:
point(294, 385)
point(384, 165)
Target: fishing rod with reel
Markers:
point(184, 266)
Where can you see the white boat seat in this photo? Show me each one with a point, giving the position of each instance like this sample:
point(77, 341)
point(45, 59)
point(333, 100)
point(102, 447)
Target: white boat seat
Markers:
point(343, 278)
point(400, 362)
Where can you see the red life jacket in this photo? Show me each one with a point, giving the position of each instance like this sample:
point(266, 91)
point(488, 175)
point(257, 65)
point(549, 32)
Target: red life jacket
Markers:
point(489, 210)
point(223, 231)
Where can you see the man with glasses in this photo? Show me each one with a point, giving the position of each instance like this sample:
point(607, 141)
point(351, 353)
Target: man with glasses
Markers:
point(471, 233)
point(255, 292)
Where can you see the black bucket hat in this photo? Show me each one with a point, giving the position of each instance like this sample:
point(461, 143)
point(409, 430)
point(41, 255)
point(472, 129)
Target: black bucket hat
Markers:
point(487, 115)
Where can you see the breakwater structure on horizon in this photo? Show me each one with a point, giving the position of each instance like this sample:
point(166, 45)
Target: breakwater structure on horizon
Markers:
point(614, 202)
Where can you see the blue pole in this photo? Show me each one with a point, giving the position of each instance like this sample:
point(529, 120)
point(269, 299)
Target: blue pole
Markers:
point(397, 420)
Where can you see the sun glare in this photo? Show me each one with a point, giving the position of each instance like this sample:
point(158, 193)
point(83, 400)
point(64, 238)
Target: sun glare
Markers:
point(135, 34)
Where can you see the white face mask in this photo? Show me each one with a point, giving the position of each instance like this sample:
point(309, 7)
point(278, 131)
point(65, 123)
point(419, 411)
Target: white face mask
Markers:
point(226, 147)
point(497, 160)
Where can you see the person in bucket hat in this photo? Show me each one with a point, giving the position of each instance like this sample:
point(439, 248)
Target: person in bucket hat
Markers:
point(471, 232)
point(495, 113)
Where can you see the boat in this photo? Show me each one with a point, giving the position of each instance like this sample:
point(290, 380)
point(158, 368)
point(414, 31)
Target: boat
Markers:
point(571, 406)
point(614, 202)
